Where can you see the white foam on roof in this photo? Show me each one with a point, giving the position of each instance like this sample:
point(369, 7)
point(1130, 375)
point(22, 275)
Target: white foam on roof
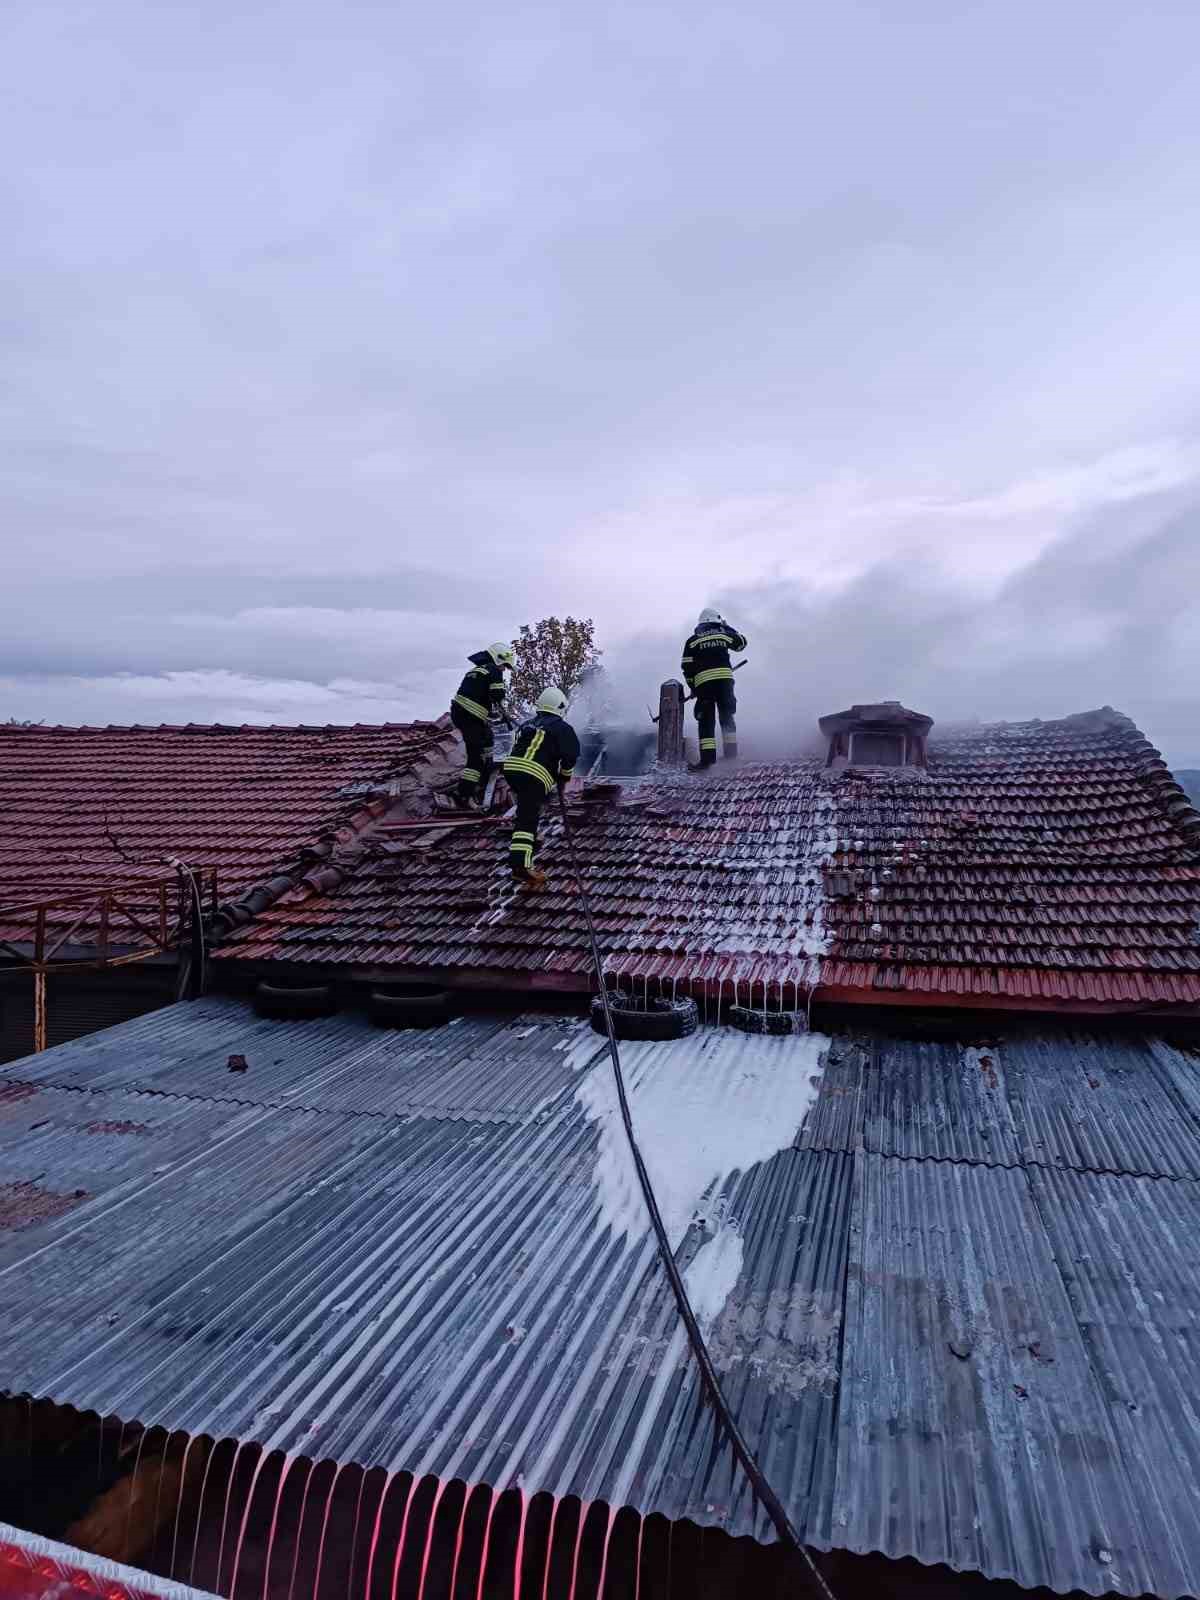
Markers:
point(713, 1272)
point(774, 903)
point(703, 1108)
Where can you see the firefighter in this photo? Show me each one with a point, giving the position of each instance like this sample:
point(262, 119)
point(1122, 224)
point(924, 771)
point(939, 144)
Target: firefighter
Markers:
point(477, 706)
point(709, 674)
point(543, 756)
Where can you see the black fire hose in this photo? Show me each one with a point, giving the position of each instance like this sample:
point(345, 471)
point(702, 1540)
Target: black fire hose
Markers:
point(772, 1504)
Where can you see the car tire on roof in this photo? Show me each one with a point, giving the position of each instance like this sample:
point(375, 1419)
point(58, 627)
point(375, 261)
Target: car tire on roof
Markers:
point(418, 1005)
point(776, 1022)
point(654, 1019)
point(294, 1002)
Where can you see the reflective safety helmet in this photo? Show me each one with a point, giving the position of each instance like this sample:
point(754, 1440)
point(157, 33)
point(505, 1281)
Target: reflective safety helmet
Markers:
point(552, 700)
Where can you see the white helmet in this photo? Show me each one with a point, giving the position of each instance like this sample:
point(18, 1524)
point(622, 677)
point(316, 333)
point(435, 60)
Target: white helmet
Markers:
point(502, 654)
point(709, 615)
point(552, 700)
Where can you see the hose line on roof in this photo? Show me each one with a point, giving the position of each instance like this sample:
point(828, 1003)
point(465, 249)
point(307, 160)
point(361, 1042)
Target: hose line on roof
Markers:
point(197, 912)
point(772, 1504)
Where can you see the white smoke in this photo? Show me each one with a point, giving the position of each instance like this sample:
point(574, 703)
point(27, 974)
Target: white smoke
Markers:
point(1105, 615)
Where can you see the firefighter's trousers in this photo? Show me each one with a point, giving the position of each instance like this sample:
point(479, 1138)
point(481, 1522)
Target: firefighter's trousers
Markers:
point(477, 737)
point(715, 700)
point(530, 795)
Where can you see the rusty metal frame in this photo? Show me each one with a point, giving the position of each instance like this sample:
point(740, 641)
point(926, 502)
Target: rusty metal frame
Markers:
point(111, 909)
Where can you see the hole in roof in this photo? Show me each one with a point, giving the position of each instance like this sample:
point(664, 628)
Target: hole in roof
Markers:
point(616, 752)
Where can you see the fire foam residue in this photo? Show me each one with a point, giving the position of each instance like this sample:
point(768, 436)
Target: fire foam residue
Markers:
point(703, 1109)
point(713, 1272)
point(765, 910)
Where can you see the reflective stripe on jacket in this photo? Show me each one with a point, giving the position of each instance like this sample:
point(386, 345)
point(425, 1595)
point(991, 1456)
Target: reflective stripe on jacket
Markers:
point(482, 690)
point(706, 654)
point(545, 748)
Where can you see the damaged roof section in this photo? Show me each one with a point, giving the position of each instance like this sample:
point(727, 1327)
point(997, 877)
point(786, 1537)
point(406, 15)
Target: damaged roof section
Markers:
point(956, 1316)
point(1037, 864)
point(1029, 865)
point(264, 807)
point(700, 883)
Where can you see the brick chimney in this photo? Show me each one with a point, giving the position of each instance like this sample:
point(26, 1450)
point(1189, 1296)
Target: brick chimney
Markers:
point(670, 724)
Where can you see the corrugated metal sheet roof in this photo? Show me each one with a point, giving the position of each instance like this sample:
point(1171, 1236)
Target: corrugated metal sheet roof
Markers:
point(429, 1292)
point(1129, 1252)
point(935, 1348)
point(1180, 1066)
point(1101, 1105)
point(945, 1101)
point(971, 1429)
point(1087, 1101)
point(835, 1121)
point(477, 1068)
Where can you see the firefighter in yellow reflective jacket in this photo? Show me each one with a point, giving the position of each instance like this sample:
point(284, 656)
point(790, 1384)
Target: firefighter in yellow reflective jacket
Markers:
point(709, 674)
point(544, 754)
point(479, 704)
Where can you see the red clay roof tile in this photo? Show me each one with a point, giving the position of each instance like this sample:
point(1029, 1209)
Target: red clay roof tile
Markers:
point(1043, 862)
point(84, 808)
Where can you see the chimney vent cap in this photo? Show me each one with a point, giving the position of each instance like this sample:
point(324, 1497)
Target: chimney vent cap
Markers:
point(882, 714)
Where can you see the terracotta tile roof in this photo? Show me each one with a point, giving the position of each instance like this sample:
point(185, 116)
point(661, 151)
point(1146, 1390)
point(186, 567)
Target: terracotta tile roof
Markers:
point(1050, 861)
point(1035, 863)
point(674, 872)
point(88, 808)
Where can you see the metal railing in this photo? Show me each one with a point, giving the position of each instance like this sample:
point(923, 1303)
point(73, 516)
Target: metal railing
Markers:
point(122, 923)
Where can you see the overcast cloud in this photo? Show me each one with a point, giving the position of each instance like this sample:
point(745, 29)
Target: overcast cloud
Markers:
point(336, 340)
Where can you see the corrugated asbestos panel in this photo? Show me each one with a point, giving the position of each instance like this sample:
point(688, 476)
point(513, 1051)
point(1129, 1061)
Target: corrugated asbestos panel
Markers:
point(1093, 1103)
point(438, 1295)
point(1129, 1250)
point(932, 1357)
point(971, 1428)
point(836, 1119)
point(1098, 1104)
point(1179, 1065)
point(486, 1068)
point(942, 1100)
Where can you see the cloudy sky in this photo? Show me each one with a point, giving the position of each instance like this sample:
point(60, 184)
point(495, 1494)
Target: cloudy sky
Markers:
point(337, 339)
